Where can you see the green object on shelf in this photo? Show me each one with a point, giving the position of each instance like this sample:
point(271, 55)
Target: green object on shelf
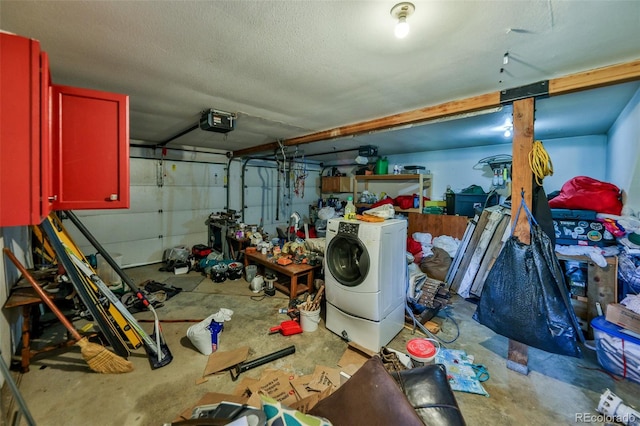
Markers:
point(433, 210)
point(382, 166)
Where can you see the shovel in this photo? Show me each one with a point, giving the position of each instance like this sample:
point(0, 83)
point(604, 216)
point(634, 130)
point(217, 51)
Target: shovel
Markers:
point(287, 328)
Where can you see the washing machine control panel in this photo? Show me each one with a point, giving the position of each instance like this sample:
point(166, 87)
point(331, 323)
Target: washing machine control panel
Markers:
point(348, 228)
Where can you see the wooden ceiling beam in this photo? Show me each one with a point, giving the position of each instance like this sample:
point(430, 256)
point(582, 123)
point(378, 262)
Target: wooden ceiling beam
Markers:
point(599, 77)
point(606, 76)
point(447, 109)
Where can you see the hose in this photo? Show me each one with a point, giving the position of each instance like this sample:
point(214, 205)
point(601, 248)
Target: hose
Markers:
point(540, 162)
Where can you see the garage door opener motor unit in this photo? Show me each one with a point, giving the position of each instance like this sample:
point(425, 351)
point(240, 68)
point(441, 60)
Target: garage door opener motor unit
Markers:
point(217, 121)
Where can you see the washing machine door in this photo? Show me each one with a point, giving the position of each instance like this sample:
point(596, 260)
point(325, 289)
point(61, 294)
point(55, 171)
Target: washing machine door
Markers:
point(347, 259)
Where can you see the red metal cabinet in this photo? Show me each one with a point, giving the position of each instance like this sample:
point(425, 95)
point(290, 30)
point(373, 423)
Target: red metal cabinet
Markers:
point(24, 132)
point(90, 149)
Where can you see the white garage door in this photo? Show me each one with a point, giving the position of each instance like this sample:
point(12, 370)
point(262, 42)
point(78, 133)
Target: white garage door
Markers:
point(170, 203)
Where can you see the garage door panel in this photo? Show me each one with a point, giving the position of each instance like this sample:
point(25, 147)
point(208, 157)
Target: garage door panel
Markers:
point(108, 229)
point(185, 222)
point(143, 172)
point(261, 176)
point(194, 198)
point(144, 199)
point(193, 174)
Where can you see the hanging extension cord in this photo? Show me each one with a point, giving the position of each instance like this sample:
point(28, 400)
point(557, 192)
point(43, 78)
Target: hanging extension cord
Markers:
point(540, 162)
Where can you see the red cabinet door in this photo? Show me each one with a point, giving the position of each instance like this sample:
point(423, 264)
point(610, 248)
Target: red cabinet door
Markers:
point(24, 160)
point(90, 149)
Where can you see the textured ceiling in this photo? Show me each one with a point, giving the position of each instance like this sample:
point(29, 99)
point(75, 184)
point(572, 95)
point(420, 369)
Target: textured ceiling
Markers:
point(290, 68)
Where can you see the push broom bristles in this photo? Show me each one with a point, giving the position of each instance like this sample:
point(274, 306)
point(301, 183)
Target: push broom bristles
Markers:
point(101, 360)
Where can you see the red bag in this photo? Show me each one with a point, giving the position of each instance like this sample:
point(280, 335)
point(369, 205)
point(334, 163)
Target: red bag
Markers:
point(585, 193)
point(413, 246)
point(404, 201)
point(382, 202)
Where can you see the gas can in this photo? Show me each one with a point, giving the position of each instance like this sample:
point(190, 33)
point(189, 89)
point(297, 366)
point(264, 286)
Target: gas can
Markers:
point(382, 166)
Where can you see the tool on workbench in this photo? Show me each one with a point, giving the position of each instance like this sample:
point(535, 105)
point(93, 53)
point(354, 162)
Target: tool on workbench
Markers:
point(248, 365)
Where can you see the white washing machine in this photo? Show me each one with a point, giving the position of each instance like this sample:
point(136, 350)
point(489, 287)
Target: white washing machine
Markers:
point(365, 280)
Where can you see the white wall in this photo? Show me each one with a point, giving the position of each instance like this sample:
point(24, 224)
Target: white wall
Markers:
point(584, 155)
point(623, 166)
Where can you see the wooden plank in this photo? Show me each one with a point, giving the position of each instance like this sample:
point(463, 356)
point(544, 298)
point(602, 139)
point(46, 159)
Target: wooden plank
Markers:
point(503, 231)
point(518, 357)
point(599, 77)
point(453, 269)
point(480, 250)
point(522, 185)
point(437, 225)
point(427, 113)
point(605, 76)
point(601, 287)
point(475, 237)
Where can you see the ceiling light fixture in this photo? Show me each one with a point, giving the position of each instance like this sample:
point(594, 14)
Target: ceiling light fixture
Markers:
point(400, 12)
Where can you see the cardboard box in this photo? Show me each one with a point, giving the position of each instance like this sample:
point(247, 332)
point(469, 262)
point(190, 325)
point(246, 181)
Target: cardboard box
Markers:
point(619, 315)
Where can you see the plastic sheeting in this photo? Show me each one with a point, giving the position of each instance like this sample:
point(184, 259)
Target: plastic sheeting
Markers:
point(525, 297)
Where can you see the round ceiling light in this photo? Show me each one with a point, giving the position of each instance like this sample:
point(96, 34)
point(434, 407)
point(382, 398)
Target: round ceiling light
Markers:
point(400, 12)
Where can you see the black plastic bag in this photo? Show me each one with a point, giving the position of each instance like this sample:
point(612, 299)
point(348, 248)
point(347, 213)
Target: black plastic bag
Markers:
point(525, 297)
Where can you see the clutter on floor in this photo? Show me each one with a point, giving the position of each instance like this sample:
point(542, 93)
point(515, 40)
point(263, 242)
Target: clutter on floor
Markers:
point(429, 261)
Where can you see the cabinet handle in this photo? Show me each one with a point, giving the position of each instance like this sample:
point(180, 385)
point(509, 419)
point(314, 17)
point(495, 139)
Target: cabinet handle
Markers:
point(53, 198)
point(113, 197)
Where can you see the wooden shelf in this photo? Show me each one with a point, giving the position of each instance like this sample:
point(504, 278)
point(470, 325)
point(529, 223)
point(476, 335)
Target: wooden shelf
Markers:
point(394, 185)
point(602, 287)
point(396, 208)
point(410, 177)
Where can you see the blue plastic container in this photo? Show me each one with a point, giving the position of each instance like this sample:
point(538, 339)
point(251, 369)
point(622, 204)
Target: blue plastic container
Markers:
point(618, 352)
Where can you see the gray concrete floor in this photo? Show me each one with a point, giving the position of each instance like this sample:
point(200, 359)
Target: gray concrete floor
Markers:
point(59, 389)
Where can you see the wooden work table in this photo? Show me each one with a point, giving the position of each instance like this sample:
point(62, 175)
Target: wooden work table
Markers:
point(294, 271)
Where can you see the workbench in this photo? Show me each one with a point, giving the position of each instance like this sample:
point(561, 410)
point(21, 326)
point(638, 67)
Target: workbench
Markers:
point(294, 271)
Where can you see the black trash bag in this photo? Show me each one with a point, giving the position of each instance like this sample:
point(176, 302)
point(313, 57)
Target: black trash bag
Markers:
point(525, 297)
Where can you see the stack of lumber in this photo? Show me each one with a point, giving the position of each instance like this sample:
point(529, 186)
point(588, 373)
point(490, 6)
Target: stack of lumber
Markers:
point(482, 242)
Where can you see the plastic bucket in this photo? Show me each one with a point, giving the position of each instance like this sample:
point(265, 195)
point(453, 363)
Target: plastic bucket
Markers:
point(422, 351)
point(309, 320)
point(108, 275)
point(250, 272)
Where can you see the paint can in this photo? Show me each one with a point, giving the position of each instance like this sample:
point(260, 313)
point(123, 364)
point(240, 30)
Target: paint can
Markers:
point(422, 351)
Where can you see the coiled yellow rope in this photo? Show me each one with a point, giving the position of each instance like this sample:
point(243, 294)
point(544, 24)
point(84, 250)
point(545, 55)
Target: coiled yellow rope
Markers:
point(540, 162)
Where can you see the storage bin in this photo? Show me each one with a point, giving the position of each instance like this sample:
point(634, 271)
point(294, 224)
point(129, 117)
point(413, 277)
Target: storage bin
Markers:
point(466, 204)
point(618, 352)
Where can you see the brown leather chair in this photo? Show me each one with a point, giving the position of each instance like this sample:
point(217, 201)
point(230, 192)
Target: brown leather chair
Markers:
point(372, 396)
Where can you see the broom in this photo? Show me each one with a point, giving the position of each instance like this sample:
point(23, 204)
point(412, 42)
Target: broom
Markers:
point(99, 359)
